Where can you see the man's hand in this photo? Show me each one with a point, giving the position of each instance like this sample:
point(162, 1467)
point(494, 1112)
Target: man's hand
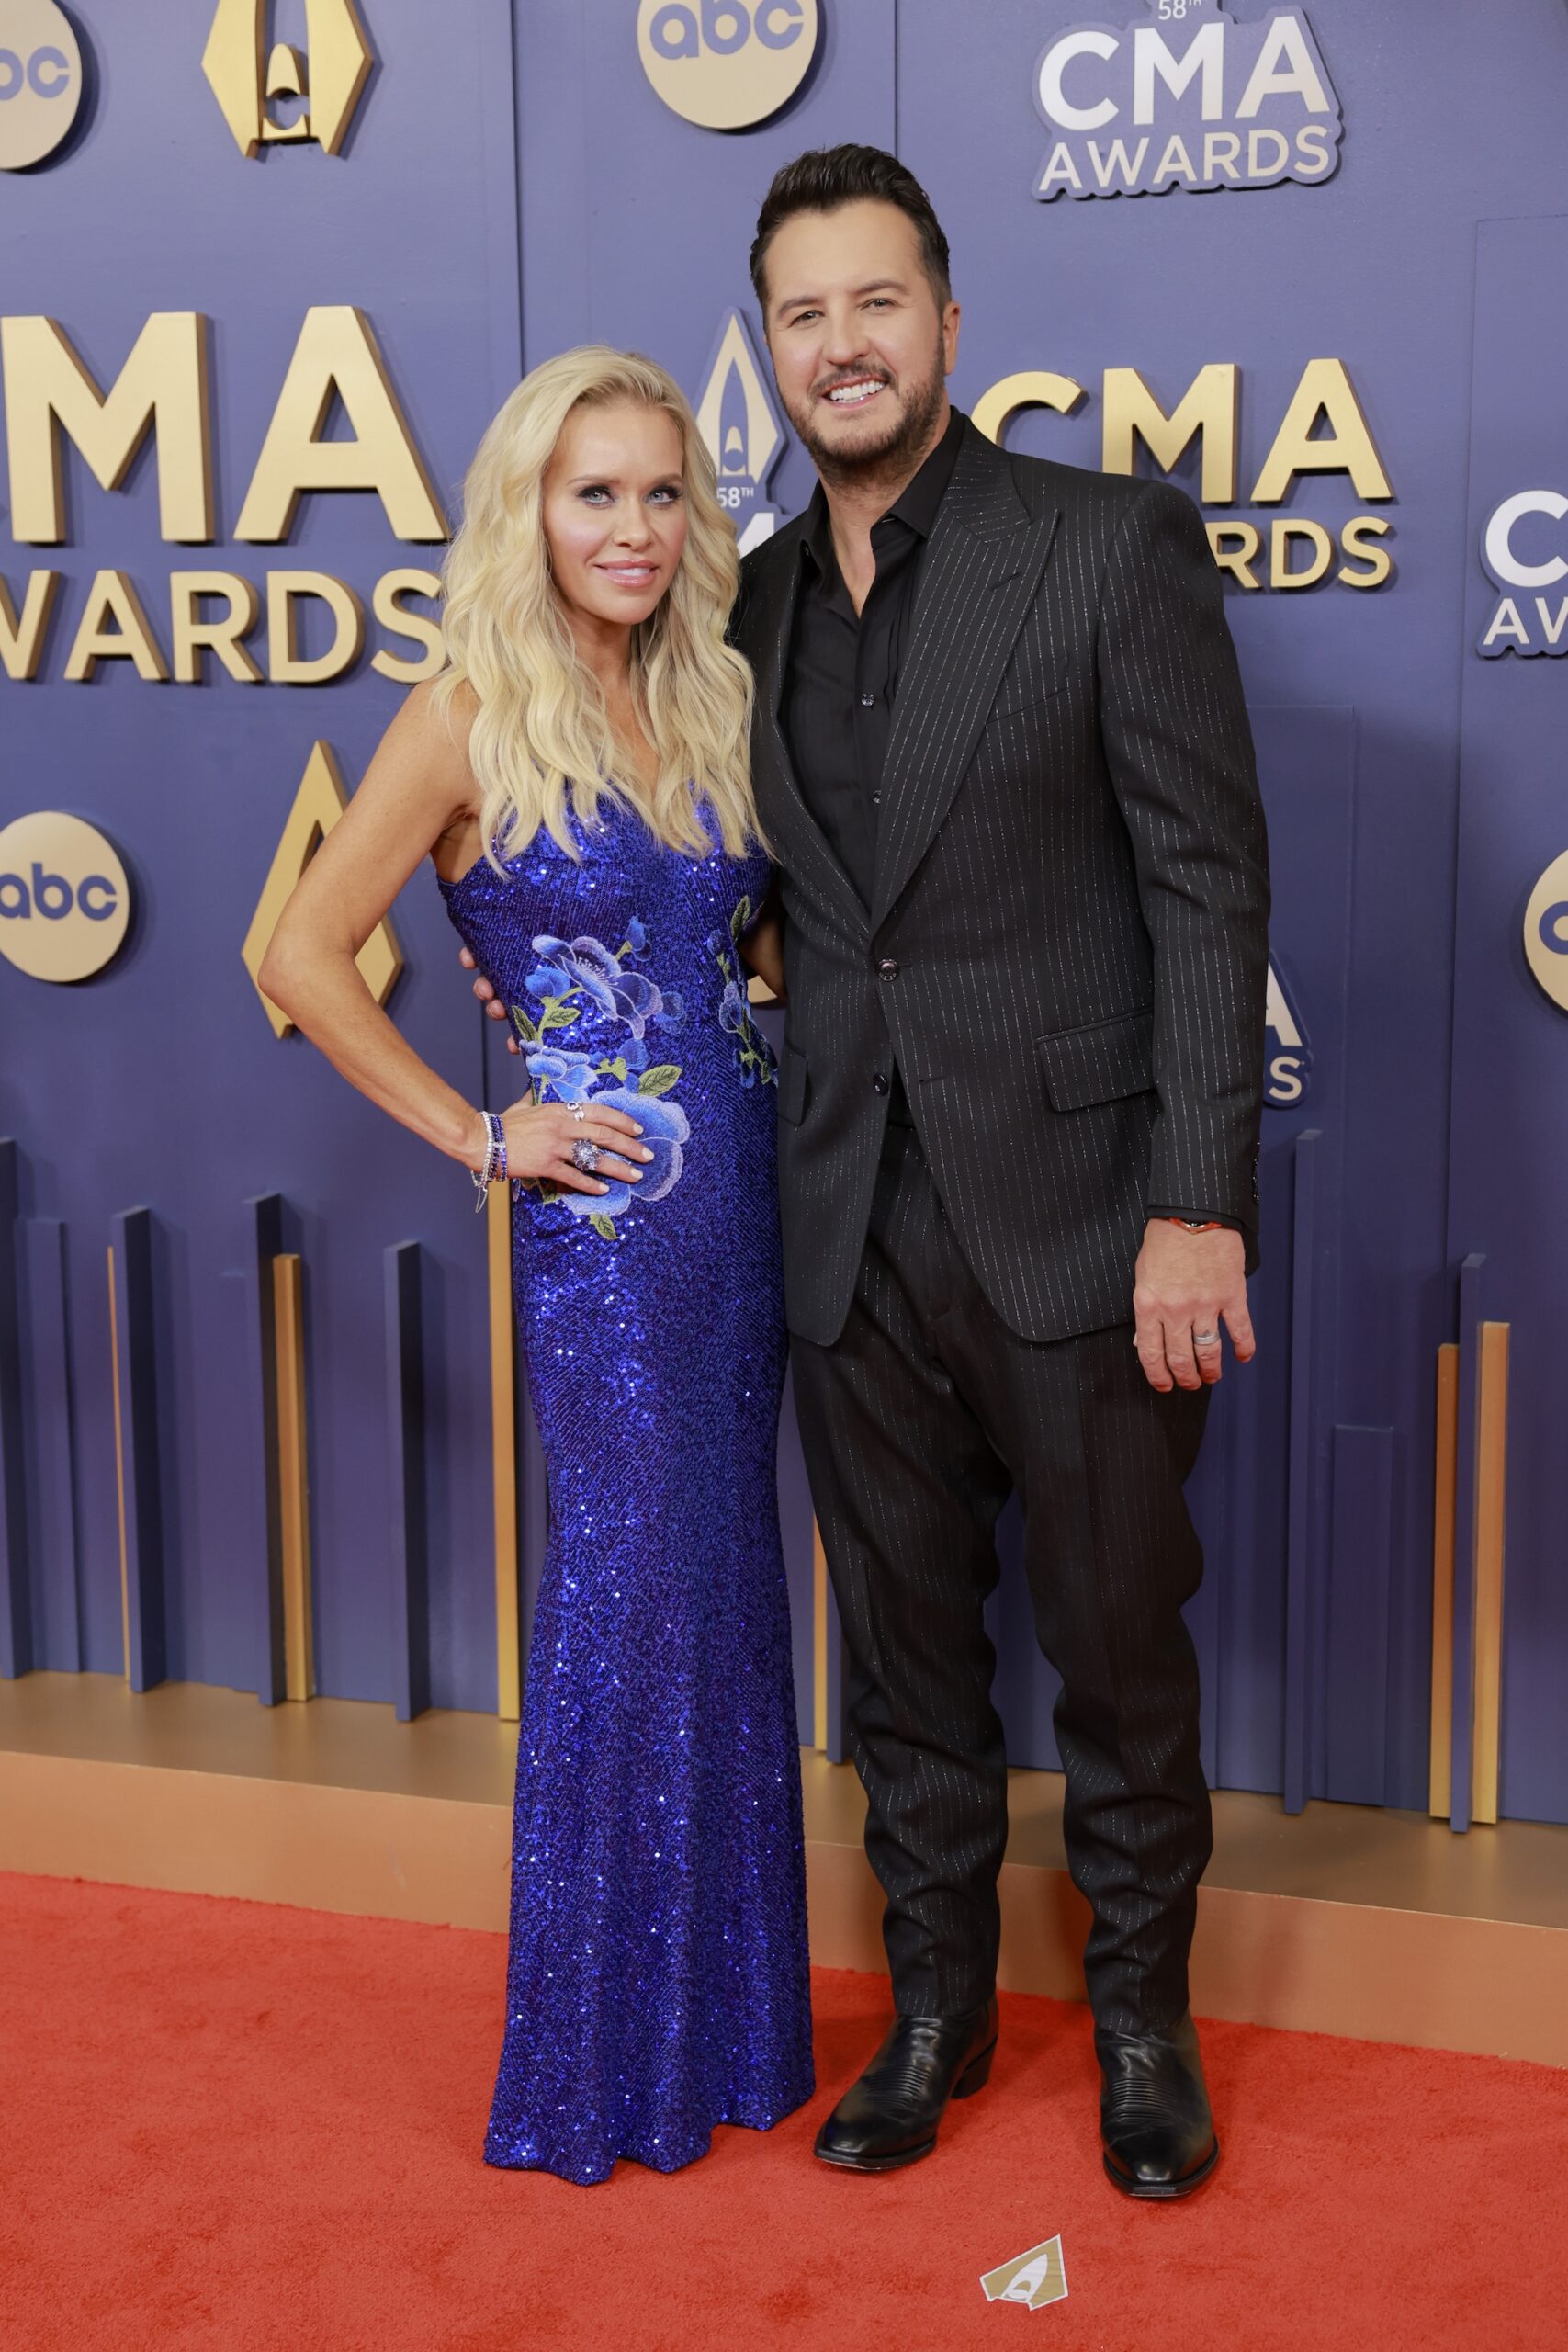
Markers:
point(488, 998)
point(1185, 1286)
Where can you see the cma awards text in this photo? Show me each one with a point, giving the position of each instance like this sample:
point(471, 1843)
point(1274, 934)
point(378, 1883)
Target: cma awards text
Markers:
point(309, 627)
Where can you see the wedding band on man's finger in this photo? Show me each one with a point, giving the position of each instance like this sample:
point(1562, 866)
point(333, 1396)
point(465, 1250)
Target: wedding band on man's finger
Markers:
point(1205, 1339)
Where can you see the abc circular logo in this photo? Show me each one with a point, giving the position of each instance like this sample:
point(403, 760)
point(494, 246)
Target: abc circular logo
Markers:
point(1546, 931)
point(726, 64)
point(41, 81)
point(64, 897)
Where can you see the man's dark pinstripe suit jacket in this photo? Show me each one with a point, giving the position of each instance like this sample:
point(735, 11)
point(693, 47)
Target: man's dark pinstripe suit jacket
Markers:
point(1067, 953)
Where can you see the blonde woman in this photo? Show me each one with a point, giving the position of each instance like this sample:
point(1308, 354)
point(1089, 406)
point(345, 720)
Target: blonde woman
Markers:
point(578, 776)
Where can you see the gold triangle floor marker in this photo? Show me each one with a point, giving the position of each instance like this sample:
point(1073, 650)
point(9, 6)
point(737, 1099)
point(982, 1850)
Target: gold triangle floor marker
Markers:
point(1036, 2277)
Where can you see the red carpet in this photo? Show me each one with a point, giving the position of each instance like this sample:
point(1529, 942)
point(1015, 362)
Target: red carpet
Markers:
point(227, 2126)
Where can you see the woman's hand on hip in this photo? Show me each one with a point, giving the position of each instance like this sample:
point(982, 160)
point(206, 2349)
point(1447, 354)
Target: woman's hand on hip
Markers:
point(541, 1138)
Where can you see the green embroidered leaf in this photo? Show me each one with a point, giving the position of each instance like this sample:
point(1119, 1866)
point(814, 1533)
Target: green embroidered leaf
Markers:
point(558, 1014)
point(740, 918)
point(615, 1070)
point(661, 1078)
point(604, 1226)
point(524, 1026)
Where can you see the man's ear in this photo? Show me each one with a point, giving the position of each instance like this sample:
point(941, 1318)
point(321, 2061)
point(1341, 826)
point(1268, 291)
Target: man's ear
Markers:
point(950, 319)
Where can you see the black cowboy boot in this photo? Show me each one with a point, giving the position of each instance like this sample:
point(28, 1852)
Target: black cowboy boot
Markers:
point(1155, 2122)
point(890, 2115)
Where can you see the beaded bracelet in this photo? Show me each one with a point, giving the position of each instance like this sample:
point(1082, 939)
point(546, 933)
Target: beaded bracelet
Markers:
point(494, 1169)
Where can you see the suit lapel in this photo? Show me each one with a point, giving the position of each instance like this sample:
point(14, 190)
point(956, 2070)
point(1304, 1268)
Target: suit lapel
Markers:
point(799, 841)
point(982, 570)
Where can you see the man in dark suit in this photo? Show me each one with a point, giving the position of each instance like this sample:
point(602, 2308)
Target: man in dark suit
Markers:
point(1001, 754)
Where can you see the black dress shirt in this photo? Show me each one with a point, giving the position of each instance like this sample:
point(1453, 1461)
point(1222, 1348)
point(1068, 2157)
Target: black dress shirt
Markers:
point(842, 681)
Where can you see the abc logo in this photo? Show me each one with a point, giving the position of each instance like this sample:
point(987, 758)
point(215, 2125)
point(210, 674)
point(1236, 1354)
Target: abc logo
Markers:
point(40, 81)
point(64, 898)
point(726, 64)
point(1546, 931)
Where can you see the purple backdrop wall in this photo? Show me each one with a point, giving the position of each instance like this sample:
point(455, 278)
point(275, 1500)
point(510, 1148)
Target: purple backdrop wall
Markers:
point(512, 184)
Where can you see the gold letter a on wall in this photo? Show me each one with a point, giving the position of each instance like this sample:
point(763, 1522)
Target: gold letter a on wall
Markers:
point(319, 803)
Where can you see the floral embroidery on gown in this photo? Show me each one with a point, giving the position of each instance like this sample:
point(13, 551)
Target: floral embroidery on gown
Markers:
point(657, 1978)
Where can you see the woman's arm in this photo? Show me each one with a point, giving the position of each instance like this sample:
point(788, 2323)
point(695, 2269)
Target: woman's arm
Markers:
point(417, 788)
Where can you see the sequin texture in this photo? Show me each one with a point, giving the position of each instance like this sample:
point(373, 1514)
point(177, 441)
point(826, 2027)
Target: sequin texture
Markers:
point(657, 1980)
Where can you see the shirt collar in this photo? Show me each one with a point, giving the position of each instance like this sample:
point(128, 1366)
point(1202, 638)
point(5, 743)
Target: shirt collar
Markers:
point(915, 505)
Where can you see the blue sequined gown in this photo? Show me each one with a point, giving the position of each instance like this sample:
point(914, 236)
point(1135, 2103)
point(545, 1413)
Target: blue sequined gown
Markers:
point(657, 1981)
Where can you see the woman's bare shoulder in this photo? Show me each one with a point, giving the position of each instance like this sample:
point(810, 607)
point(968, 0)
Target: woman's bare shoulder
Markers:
point(438, 719)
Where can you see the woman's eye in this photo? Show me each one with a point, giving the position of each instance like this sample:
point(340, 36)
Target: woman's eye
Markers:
point(668, 493)
point(594, 492)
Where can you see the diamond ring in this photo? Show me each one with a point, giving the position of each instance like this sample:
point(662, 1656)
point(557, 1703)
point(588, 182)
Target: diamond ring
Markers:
point(578, 1112)
point(585, 1154)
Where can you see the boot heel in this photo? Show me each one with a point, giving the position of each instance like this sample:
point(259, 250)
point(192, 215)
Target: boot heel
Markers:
point(976, 2075)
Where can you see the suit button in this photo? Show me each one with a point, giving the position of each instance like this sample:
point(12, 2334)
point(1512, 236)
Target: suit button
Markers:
point(887, 969)
point(879, 1081)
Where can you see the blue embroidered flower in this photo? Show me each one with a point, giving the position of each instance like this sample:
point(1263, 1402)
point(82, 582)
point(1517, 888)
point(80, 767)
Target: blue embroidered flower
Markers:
point(665, 1131)
point(548, 980)
point(752, 1051)
point(732, 1013)
point(570, 1077)
point(587, 965)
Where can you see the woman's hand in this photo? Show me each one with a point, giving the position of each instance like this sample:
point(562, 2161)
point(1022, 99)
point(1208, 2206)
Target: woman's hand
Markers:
point(488, 998)
point(540, 1138)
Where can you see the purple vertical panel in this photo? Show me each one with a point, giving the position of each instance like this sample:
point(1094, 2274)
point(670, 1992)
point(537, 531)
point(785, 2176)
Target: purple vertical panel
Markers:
point(16, 1598)
point(406, 1486)
point(1301, 1684)
point(51, 1445)
point(1357, 1684)
point(136, 1370)
point(1508, 1131)
point(1475, 1284)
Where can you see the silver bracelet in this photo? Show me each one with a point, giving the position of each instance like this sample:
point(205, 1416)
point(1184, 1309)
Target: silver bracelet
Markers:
point(494, 1169)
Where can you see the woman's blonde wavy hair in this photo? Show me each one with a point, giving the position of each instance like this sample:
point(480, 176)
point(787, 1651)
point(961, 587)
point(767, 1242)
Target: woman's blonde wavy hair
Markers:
point(541, 747)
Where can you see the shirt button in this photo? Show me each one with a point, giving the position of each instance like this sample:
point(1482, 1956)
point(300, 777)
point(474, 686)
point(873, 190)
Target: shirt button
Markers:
point(887, 969)
point(877, 799)
point(879, 1081)
point(866, 701)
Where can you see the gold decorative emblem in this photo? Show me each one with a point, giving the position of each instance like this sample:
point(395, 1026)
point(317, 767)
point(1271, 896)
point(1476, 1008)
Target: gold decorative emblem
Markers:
point(1036, 2277)
point(247, 80)
point(319, 803)
point(739, 419)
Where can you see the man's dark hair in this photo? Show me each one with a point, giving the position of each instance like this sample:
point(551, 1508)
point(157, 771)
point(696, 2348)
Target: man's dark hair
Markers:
point(830, 177)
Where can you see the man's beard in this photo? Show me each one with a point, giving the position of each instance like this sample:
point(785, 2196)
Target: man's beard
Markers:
point(890, 455)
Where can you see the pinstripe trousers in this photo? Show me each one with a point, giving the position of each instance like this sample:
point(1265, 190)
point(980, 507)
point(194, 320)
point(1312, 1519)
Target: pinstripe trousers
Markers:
point(917, 1422)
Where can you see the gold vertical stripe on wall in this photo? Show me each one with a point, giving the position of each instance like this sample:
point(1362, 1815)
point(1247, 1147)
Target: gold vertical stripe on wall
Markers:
point(1440, 1798)
point(120, 1474)
point(818, 1639)
point(504, 1452)
point(293, 1479)
point(1491, 1492)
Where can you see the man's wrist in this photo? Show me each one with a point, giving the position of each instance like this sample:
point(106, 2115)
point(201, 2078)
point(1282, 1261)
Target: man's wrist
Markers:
point(1196, 1220)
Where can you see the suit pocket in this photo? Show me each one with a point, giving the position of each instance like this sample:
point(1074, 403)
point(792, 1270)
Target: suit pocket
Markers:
point(1019, 695)
point(793, 1084)
point(1099, 1063)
